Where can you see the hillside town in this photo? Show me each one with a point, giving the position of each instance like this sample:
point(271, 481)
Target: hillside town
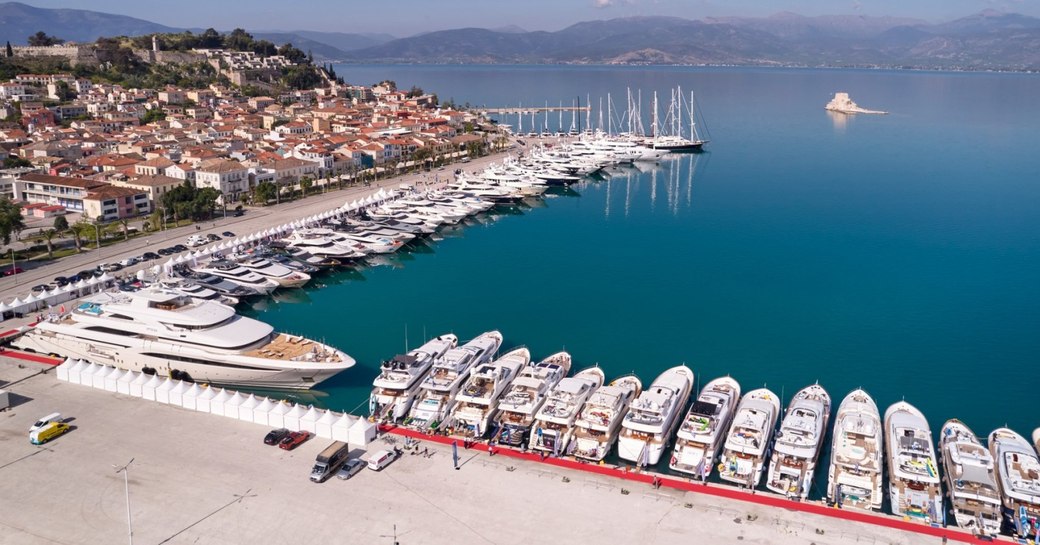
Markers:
point(109, 153)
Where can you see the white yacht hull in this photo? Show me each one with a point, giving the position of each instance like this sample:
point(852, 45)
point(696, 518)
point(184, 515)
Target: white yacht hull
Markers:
point(393, 407)
point(593, 450)
point(694, 459)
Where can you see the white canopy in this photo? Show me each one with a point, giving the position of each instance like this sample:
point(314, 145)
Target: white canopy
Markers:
point(177, 393)
point(362, 432)
point(233, 403)
point(148, 388)
point(162, 392)
point(323, 428)
point(292, 418)
point(262, 410)
point(112, 379)
point(216, 403)
point(341, 428)
point(137, 386)
point(63, 369)
point(190, 398)
point(203, 399)
point(276, 416)
point(245, 410)
point(124, 382)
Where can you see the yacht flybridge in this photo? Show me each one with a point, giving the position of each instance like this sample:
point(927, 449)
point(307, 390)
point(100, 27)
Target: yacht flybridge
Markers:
point(854, 477)
point(599, 421)
point(478, 399)
point(704, 428)
point(798, 443)
point(395, 387)
point(913, 473)
point(161, 332)
point(652, 417)
point(971, 479)
point(442, 384)
point(517, 408)
point(554, 422)
point(747, 445)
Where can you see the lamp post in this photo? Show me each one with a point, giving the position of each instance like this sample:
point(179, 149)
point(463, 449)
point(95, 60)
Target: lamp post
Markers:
point(97, 239)
point(126, 483)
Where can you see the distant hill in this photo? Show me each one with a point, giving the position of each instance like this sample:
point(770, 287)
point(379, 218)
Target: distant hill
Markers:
point(18, 21)
point(343, 41)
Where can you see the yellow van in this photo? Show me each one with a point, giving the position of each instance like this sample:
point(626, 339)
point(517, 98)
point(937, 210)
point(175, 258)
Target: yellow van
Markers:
point(48, 432)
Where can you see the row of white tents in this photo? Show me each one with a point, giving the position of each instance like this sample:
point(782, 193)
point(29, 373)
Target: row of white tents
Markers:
point(36, 302)
point(219, 401)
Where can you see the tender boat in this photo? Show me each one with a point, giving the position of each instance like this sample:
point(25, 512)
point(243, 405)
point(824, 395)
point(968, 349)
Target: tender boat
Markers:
point(397, 384)
point(744, 454)
point(526, 395)
point(554, 422)
point(798, 442)
point(913, 474)
point(854, 478)
point(971, 480)
point(449, 372)
point(653, 416)
point(702, 431)
point(478, 399)
point(155, 331)
point(1018, 472)
point(599, 421)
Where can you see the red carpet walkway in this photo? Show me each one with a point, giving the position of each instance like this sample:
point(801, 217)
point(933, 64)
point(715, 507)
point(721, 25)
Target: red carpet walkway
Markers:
point(700, 488)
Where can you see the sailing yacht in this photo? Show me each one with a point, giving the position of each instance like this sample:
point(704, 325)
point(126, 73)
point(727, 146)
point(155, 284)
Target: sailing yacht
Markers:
point(652, 417)
point(913, 474)
point(449, 372)
point(747, 445)
point(798, 442)
point(701, 432)
point(971, 480)
point(854, 478)
point(599, 421)
point(554, 422)
point(478, 399)
point(526, 395)
point(1018, 471)
point(395, 387)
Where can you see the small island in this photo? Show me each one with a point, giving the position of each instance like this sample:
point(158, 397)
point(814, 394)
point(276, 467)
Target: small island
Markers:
point(843, 104)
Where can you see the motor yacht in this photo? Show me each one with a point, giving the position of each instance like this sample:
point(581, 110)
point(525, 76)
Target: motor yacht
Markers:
point(374, 245)
point(220, 285)
point(395, 387)
point(701, 433)
point(156, 331)
point(477, 402)
point(599, 421)
point(796, 448)
point(913, 473)
point(449, 372)
point(237, 274)
point(653, 416)
point(194, 290)
point(1018, 475)
point(321, 242)
point(284, 276)
point(854, 477)
point(971, 479)
point(554, 422)
point(750, 436)
point(517, 408)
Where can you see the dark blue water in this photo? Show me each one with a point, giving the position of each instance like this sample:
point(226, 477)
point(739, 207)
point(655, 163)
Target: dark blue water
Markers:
point(899, 253)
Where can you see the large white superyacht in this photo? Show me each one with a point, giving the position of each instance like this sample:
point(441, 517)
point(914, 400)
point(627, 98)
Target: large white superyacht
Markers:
point(478, 399)
point(702, 431)
point(599, 421)
point(449, 372)
point(747, 445)
point(554, 422)
point(971, 480)
point(652, 417)
point(1018, 472)
point(798, 443)
point(525, 396)
point(159, 332)
point(913, 473)
point(395, 387)
point(854, 477)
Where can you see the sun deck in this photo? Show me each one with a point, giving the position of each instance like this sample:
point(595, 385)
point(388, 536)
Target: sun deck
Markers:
point(294, 348)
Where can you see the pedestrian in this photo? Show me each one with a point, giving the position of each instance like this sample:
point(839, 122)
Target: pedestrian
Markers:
point(426, 451)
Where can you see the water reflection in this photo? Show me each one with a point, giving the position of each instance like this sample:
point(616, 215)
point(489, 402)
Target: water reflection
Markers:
point(673, 174)
point(839, 120)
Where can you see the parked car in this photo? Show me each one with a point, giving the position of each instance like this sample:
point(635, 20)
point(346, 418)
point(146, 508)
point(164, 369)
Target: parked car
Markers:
point(228, 234)
point(275, 437)
point(148, 256)
point(85, 275)
point(382, 458)
point(294, 439)
point(48, 432)
point(60, 281)
point(110, 267)
point(350, 468)
point(130, 261)
point(40, 288)
point(165, 251)
point(13, 271)
point(212, 237)
point(180, 248)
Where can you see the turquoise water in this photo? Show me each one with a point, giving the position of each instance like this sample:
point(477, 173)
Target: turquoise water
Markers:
point(898, 253)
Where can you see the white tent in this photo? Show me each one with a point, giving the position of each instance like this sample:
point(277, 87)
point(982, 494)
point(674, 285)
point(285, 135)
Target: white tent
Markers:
point(245, 411)
point(123, 384)
point(309, 420)
point(261, 411)
point(276, 416)
point(190, 397)
point(105, 277)
point(112, 379)
point(162, 391)
point(233, 403)
point(323, 428)
point(216, 403)
point(177, 393)
point(362, 432)
point(148, 388)
point(341, 429)
point(202, 402)
point(63, 369)
point(137, 386)
point(76, 372)
point(292, 418)
point(97, 375)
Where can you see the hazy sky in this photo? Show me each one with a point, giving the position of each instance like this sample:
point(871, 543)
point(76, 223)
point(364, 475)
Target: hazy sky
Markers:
point(405, 17)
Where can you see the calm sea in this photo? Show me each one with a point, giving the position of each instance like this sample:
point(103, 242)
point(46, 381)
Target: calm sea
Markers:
point(898, 253)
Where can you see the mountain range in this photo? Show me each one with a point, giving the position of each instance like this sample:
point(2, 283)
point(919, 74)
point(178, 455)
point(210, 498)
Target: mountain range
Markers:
point(989, 40)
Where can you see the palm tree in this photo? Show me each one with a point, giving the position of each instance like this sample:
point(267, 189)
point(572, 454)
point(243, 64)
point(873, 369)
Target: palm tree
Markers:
point(125, 223)
point(79, 230)
point(48, 236)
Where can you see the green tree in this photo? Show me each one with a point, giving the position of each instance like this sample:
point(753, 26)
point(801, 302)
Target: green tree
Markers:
point(42, 39)
point(210, 39)
point(48, 237)
point(15, 162)
point(64, 92)
point(11, 222)
point(153, 115)
point(125, 224)
point(61, 224)
point(306, 184)
point(10, 50)
point(265, 191)
point(415, 91)
point(81, 230)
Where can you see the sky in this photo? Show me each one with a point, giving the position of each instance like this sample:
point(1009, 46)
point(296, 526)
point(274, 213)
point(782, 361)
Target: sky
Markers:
point(406, 17)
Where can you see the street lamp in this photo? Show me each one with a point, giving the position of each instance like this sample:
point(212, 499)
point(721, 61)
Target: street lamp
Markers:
point(97, 238)
point(126, 482)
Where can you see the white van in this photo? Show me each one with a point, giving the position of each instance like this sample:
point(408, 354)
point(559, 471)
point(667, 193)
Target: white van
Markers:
point(197, 240)
point(55, 417)
point(381, 459)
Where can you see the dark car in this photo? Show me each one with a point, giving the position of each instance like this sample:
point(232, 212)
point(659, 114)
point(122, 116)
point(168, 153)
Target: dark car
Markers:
point(181, 248)
point(239, 213)
point(350, 468)
point(275, 436)
point(294, 439)
point(40, 288)
point(85, 275)
point(148, 256)
point(165, 251)
point(228, 234)
point(60, 281)
point(212, 237)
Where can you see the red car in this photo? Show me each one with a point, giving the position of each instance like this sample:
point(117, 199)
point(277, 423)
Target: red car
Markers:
point(13, 271)
point(294, 439)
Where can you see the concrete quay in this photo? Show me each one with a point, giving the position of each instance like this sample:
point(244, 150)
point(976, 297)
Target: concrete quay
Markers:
point(200, 478)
